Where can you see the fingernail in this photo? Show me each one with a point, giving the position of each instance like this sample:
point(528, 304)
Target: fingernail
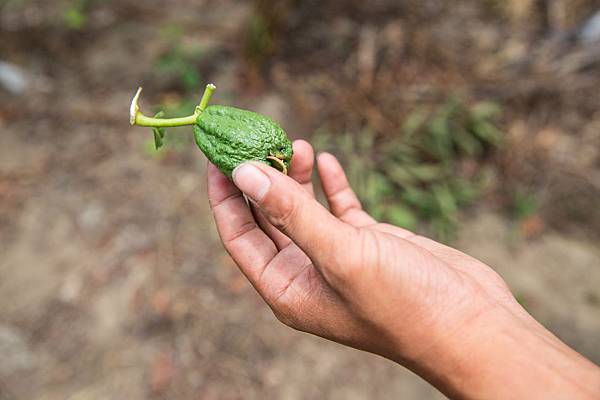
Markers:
point(252, 181)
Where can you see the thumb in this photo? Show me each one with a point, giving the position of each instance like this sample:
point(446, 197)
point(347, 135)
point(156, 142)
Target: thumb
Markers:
point(292, 210)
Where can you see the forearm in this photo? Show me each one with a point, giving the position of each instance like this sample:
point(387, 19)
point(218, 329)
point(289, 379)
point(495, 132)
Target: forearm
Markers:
point(504, 357)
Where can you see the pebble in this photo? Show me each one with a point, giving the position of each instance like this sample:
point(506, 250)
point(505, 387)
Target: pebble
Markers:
point(13, 78)
point(14, 351)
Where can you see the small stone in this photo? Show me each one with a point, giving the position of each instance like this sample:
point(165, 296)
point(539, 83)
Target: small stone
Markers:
point(14, 351)
point(590, 32)
point(13, 78)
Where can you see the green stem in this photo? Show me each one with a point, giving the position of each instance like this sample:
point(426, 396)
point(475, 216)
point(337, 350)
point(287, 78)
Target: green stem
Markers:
point(142, 120)
point(210, 88)
point(138, 118)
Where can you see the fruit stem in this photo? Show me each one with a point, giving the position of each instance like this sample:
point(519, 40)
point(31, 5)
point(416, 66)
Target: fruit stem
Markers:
point(136, 117)
point(280, 165)
point(208, 92)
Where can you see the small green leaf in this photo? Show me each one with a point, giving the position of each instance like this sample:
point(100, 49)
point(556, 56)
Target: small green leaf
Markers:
point(157, 138)
point(464, 190)
point(160, 114)
point(159, 133)
point(401, 175)
point(420, 199)
point(486, 110)
point(414, 122)
point(445, 200)
point(468, 143)
point(524, 205)
point(427, 172)
point(75, 18)
point(440, 142)
point(488, 132)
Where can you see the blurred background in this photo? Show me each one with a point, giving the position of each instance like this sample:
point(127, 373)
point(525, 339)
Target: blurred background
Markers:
point(476, 122)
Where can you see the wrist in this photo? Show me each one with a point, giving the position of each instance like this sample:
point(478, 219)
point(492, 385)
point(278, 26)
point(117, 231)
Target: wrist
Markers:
point(501, 355)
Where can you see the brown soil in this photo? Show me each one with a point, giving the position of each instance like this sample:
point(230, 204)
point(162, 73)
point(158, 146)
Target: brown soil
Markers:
point(113, 283)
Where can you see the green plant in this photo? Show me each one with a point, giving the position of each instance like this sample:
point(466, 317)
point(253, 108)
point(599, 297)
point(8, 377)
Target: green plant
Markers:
point(228, 136)
point(259, 41)
point(75, 16)
point(266, 25)
point(180, 62)
point(427, 173)
point(524, 205)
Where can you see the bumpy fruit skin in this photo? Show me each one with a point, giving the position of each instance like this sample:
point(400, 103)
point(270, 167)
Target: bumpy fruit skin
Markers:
point(229, 136)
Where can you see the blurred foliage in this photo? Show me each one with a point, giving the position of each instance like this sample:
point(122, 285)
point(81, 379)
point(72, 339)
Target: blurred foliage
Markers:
point(524, 205)
point(159, 133)
point(179, 66)
point(180, 63)
point(260, 40)
point(265, 30)
point(429, 172)
point(75, 15)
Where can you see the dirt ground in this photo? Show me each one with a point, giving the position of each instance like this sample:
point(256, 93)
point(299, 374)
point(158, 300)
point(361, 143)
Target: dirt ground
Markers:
point(113, 283)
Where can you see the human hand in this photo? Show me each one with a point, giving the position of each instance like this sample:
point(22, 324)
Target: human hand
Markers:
point(342, 275)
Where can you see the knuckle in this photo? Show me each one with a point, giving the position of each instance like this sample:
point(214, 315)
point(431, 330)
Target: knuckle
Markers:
point(347, 260)
point(346, 274)
point(288, 211)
